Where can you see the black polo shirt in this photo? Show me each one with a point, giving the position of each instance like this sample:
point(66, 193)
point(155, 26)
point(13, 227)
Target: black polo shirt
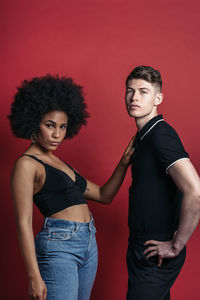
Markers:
point(154, 199)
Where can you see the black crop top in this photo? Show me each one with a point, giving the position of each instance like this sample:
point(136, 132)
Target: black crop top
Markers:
point(59, 191)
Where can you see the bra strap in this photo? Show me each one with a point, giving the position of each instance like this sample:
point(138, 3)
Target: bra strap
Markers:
point(75, 172)
point(33, 157)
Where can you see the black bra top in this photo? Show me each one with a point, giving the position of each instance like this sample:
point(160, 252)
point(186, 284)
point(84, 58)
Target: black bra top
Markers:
point(59, 191)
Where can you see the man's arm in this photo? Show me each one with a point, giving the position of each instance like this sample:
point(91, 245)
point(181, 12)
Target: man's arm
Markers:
point(188, 181)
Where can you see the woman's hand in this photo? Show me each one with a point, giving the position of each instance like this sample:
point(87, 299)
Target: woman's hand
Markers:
point(37, 289)
point(126, 158)
point(106, 193)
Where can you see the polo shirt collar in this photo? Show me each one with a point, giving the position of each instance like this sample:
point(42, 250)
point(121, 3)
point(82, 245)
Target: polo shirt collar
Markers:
point(148, 126)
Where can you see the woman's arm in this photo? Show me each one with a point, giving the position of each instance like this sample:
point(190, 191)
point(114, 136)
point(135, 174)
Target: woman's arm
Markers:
point(106, 193)
point(22, 183)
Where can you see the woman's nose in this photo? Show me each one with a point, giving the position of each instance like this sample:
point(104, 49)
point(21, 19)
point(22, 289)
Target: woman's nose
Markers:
point(56, 133)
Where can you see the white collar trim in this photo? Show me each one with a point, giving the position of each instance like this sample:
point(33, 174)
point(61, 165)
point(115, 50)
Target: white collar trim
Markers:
point(151, 128)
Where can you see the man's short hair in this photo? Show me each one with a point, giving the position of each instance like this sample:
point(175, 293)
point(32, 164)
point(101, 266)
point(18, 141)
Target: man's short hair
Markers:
point(146, 73)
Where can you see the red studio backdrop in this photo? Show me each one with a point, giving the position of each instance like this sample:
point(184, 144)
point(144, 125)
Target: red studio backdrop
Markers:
point(97, 43)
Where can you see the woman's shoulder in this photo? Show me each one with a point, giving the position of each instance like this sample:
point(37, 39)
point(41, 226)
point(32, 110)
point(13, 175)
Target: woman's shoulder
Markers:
point(24, 163)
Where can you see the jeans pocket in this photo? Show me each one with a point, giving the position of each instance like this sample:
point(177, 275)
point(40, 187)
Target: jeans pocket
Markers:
point(141, 257)
point(59, 235)
point(175, 262)
point(152, 261)
point(41, 241)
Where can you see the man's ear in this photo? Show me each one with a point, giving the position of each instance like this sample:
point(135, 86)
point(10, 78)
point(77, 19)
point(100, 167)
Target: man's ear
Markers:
point(159, 98)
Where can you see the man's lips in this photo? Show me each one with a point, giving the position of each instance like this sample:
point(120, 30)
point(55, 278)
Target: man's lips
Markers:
point(132, 106)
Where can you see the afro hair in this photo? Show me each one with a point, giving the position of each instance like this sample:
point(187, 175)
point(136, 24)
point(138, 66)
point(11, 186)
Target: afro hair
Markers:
point(40, 95)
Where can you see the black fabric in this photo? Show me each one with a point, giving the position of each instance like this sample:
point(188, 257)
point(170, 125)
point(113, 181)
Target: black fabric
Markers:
point(147, 281)
point(154, 199)
point(59, 190)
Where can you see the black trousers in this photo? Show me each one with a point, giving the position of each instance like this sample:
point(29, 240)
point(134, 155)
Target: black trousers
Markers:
point(147, 281)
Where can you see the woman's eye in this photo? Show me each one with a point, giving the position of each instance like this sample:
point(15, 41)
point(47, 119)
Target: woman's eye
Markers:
point(49, 125)
point(63, 127)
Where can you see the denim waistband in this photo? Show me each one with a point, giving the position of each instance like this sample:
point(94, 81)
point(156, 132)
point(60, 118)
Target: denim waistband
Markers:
point(144, 236)
point(60, 223)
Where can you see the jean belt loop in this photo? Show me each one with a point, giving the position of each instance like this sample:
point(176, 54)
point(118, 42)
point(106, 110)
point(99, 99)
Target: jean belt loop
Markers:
point(92, 220)
point(46, 222)
point(76, 226)
point(90, 225)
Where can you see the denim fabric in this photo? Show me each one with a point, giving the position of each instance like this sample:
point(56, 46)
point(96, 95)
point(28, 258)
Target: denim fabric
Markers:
point(67, 257)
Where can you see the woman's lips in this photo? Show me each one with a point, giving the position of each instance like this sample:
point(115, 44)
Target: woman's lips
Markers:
point(54, 143)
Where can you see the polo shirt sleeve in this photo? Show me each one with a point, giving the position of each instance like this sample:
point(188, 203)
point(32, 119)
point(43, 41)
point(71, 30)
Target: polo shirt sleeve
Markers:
point(168, 147)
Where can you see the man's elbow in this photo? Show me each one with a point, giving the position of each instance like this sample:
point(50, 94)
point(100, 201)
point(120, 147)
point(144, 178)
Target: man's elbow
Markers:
point(196, 201)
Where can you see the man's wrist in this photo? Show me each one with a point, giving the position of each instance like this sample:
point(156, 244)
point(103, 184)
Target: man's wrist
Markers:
point(177, 246)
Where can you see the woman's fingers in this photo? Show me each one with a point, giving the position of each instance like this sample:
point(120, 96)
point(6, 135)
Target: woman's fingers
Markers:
point(45, 294)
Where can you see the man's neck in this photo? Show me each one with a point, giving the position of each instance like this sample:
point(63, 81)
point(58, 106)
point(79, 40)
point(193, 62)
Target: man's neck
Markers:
point(141, 122)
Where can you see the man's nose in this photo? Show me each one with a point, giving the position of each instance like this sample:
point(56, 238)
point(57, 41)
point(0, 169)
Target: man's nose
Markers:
point(134, 97)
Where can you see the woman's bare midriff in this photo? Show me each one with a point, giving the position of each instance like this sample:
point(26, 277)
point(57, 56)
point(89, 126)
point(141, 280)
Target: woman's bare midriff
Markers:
point(76, 213)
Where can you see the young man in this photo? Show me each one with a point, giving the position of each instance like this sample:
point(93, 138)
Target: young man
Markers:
point(164, 198)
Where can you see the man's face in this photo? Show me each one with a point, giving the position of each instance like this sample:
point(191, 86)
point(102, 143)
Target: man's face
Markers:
point(141, 98)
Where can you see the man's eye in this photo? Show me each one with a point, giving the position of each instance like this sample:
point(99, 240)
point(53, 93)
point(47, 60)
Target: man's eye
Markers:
point(144, 92)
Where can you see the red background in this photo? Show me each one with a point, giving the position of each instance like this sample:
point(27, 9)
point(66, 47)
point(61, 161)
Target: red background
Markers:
point(98, 42)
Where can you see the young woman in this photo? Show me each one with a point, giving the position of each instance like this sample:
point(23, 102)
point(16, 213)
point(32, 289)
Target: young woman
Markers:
point(62, 262)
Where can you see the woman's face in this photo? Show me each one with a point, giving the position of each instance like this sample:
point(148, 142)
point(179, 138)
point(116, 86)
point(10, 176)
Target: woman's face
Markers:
point(52, 130)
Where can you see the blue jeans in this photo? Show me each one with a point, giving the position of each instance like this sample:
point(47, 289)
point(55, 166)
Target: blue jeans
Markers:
point(67, 257)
